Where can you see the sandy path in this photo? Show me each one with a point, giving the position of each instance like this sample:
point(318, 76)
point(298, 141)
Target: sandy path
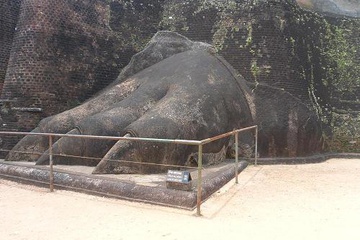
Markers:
point(314, 201)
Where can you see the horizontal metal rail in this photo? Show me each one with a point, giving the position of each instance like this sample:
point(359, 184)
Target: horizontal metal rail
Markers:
point(99, 159)
point(212, 139)
point(175, 141)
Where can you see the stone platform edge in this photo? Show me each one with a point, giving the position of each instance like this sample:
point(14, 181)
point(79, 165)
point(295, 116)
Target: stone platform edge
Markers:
point(108, 187)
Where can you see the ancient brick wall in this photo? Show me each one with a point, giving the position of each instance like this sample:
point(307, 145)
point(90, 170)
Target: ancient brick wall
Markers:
point(63, 52)
point(56, 56)
point(9, 10)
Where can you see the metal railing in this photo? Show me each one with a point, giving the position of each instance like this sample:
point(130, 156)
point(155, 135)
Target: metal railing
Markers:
point(199, 143)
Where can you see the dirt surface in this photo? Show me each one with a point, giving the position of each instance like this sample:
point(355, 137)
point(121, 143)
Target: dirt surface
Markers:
point(312, 201)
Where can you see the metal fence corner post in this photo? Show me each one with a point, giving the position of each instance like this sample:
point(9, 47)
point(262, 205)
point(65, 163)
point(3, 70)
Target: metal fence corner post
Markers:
point(199, 187)
point(236, 156)
point(256, 145)
point(51, 163)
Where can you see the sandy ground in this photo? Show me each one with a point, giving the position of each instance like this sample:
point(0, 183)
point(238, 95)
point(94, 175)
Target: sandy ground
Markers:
point(313, 201)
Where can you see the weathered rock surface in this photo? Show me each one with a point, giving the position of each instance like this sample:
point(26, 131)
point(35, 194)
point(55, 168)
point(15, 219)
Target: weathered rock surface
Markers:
point(176, 89)
point(313, 55)
point(57, 54)
point(349, 8)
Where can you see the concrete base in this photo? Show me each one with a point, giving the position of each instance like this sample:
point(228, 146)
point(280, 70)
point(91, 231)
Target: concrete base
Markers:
point(143, 188)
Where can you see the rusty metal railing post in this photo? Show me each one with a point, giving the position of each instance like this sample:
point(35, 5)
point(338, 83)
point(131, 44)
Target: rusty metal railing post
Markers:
point(256, 145)
point(199, 187)
point(51, 163)
point(236, 157)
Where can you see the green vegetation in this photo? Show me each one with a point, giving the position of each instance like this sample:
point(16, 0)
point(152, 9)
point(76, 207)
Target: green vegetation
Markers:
point(343, 81)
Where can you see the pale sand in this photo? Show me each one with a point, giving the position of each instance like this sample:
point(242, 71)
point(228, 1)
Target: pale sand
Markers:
point(313, 201)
